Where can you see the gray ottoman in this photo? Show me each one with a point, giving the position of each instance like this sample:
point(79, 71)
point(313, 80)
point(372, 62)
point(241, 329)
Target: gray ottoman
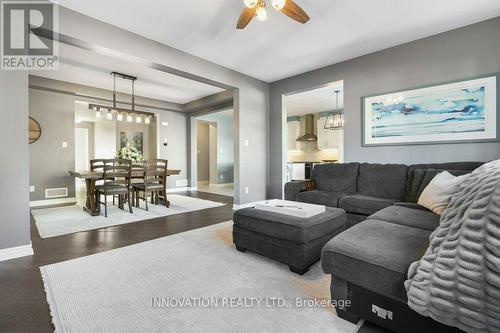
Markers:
point(291, 240)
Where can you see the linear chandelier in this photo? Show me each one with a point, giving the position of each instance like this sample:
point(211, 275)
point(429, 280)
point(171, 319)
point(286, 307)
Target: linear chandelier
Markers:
point(120, 112)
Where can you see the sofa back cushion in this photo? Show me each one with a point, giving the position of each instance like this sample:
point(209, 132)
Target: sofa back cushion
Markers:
point(414, 185)
point(336, 177)
point(422, 177)
point(382, 180)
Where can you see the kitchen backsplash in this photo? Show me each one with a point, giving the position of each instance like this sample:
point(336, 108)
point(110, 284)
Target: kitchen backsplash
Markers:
point(308, 151)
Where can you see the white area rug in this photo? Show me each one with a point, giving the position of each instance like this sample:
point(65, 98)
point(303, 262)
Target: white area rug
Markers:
point(113, 291)
point(52, 222)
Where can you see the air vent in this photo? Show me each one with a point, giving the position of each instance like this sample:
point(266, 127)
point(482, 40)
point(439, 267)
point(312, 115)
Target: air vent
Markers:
point(51, 193)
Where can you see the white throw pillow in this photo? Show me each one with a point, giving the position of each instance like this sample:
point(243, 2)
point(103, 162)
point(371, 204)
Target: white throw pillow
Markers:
point(437, 194)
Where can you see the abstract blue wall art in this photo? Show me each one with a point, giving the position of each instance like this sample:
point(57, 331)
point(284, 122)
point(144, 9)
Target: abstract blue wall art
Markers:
point(460, 111)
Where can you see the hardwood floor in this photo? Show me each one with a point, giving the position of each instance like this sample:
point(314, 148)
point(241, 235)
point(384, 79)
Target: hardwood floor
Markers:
point(23, 306)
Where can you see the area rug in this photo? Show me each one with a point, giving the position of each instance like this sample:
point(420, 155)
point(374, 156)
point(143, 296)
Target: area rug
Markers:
point(52, 222)
point(189, 282)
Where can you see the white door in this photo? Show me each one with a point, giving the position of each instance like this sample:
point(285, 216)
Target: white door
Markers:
point(82, 149)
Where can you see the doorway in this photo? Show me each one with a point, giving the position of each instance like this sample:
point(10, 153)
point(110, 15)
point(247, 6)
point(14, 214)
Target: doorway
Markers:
point(313, 131)
point(215, 153)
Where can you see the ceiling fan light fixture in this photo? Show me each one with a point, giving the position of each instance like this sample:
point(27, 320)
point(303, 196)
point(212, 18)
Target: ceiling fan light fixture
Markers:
point(279, 4)
point(262, 14)
point(251, 3)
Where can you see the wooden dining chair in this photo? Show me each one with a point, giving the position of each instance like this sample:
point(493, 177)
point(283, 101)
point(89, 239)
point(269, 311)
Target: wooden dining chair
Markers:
point(98, 164)
point(154, 184)
point(117, 177)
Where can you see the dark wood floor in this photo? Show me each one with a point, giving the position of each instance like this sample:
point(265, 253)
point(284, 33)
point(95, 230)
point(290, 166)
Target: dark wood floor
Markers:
point(23, 306)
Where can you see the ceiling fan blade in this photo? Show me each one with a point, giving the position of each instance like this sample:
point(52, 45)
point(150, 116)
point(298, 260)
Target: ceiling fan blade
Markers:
point(294, 11)
point(246, 16)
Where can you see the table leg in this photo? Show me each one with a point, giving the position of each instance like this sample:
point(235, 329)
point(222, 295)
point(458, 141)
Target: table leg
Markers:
point(91, 206)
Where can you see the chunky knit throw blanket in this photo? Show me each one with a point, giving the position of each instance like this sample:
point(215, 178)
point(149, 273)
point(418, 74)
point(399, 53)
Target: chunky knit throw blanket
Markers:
point(457, 281)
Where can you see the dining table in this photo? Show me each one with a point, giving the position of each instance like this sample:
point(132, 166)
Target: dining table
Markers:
point(91, 177)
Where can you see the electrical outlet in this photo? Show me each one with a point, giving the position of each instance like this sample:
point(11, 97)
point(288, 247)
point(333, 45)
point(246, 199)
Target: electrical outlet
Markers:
point(246, 190)
point(32, 188)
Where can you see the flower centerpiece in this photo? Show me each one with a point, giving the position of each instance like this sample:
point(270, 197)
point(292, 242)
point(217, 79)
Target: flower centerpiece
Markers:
point(129, 152)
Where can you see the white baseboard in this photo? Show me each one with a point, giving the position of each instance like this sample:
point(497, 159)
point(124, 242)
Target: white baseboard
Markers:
point(181, 189)
point(221, 185)
point(50, 202)
point(16, 252)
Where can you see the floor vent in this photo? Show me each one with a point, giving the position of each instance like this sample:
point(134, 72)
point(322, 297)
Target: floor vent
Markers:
point(51, 193)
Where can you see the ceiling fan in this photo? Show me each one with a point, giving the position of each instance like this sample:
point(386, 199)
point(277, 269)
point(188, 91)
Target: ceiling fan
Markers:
point(257, 8)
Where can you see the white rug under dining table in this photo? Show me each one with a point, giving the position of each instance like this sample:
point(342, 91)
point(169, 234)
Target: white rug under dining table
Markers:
point(58, 221)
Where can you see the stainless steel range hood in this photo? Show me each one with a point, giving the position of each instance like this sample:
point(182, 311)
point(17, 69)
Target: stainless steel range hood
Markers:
point(309, 135)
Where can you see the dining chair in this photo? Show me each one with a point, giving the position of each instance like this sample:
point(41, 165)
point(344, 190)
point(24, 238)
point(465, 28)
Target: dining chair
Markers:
point(98, 164)
point(154, 182)
point(117, 177)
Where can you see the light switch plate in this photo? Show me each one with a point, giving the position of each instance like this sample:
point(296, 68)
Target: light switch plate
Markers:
point(246, 190)
point(32, 188)
point(65, 144)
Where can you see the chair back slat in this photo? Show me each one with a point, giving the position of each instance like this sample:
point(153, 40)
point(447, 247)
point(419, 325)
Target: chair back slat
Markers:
point(155, 172)
point(117, 172)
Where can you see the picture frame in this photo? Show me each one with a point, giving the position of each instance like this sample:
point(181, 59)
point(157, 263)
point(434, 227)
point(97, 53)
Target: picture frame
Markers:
point(450, 112)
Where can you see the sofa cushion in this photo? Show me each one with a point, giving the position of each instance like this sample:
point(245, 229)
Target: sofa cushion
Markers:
point(421, 178)
point(318, 197)
point(463, 166)
point(336, 177)
point(411, 205)
point(287, 227)
point(382, 180)
point(415, 218)
point(364, 204)
point(375, 255)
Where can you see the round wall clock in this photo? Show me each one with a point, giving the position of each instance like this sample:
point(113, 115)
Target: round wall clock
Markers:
point(34, 130)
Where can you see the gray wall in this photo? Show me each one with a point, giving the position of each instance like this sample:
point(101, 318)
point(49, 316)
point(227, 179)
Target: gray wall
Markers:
point(176, 152)
point(203, 141)
point(251, 96)
point(453, 55)
point(14, 166)
point(49, 161)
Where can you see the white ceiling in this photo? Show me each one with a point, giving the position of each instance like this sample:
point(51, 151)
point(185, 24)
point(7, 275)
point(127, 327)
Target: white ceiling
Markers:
point(90, 69)
point(315, 101)
point(279, 48)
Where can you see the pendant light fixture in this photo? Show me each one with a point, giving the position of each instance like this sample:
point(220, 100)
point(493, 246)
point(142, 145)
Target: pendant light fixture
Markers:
point(122, 113)
point(335, 119)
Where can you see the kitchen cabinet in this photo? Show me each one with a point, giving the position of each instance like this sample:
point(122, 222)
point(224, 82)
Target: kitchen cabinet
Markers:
point(293, 134)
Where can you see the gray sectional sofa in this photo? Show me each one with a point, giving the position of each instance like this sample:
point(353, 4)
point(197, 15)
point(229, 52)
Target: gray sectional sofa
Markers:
point(387, 231)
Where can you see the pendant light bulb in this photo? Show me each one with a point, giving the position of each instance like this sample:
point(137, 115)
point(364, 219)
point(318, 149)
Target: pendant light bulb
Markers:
point(250, 3)
point(98, 113)
point(262, 14)
point(129, 118)
point(109, 115)
point(119, 117)
point(147, 120)
point(279, 4)
point(138, 119)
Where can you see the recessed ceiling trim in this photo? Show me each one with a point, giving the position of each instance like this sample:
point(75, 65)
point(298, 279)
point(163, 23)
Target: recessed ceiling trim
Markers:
point(101, 50)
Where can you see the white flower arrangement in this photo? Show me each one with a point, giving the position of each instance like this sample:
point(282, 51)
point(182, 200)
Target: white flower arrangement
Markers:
point(129, 152)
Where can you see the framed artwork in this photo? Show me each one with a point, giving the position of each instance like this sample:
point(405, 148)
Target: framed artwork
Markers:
point(135, 139)
point(462, 111)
